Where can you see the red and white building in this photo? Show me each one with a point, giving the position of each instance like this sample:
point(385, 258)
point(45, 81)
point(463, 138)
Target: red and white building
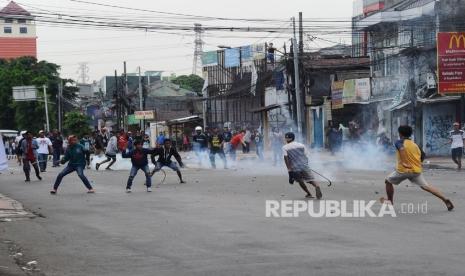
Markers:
point(17, 32)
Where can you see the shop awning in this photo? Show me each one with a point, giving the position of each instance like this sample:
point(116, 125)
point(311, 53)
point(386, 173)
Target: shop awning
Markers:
point(267, 108)
point(184, 120)
point(439, 100)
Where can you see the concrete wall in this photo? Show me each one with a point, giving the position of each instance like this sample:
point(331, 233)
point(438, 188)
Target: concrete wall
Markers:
point(437, 122)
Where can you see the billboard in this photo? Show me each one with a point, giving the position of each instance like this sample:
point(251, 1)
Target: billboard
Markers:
point(144, 115)
point(24, 93)
point(337, 88)
point(232, 57)
point(362, 89)
point(348, 94)
point(209, 58)
point(451, 62)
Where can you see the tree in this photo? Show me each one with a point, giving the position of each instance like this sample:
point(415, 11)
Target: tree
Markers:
point(28, 71)
point(190, 82)
point(76, 123)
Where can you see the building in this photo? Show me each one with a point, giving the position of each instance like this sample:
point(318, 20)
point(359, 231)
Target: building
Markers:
point(17, 32)
point(400, 39)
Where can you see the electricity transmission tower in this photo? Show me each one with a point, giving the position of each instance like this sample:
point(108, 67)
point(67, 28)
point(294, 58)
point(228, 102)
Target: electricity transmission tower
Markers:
point(83, 71)
point(198, 48)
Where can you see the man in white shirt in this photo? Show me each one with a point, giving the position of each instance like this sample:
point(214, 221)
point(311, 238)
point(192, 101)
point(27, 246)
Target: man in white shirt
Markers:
point(457, 137)
point(45, 148)
point(296, 160)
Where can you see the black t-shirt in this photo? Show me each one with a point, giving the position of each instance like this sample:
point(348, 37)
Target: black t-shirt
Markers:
point(201, 139)
point(271, 50)
point(227, 136)
point(216, 140)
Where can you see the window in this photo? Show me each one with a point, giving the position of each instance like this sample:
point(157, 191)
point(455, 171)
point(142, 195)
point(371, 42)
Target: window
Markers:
point(21, 21)
point(8, 20)
point(23, 30)
point(7, 30)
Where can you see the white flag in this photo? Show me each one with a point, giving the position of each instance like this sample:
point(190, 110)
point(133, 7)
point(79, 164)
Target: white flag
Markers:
point(254, 79)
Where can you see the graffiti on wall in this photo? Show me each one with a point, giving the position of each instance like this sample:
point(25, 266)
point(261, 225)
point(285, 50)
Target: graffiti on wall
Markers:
point(437, 132)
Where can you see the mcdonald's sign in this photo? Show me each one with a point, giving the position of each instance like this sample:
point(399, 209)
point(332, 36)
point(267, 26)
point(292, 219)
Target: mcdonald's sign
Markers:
point(451, 62)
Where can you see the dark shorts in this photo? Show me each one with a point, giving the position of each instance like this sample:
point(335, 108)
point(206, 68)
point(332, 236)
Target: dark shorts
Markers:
point(303, 175)
point(457, 153)
point(111, 156)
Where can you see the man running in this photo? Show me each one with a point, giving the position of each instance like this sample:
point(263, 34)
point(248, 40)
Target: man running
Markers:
point(110, 152)
point(164, 159)
point(409, 167)
point(457, 137)
point(296, 160)
point(216, 144)
point(75, 157)
point(139, 161)
point(227, 136)
point(29, 148)
point(45, 148)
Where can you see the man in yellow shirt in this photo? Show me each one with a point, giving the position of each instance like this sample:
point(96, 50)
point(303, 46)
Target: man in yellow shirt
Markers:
point(409, 167)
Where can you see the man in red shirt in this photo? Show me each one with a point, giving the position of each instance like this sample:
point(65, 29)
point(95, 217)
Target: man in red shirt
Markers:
point(122, 141)
point(237, 140)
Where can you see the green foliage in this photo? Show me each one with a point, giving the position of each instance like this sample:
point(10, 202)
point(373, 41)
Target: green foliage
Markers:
point(76, 123)
point(191, 82)
point(28, 71)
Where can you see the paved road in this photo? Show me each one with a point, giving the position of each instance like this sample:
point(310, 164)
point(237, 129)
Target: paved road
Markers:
point(216, 225)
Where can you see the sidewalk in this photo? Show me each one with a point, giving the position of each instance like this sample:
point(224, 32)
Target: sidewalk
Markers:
point(10, 210)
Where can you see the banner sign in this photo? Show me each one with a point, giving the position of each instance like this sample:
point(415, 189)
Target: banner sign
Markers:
point(144, 115)
point(232, 57)
point(349, 92)
point(362, 89)
point(337, 88)
point(209, 58)
point(24, 93)
point(451, 62)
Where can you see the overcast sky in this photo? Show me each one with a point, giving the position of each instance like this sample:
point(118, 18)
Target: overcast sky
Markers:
point(105, 50)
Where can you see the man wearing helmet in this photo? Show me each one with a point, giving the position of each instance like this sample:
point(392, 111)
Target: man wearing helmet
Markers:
point(200, 143)
point(295, 157)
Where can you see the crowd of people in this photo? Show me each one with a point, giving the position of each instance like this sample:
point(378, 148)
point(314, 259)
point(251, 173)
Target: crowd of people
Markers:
point(34, 151)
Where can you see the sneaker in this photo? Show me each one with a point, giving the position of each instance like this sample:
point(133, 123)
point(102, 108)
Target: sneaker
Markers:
point(149, 189)
point(91, 191)
point(109, 169)
point(128, 190)
point(39, 177)
point(53, 192)
point(27, 180)
point(449, 205)
point(309, 196)
point(182, 182)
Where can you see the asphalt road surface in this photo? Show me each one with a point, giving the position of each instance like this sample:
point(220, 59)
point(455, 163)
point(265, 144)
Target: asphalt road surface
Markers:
point(216, 225)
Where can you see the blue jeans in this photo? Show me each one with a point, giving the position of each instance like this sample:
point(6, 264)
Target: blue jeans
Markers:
point(69, 169)
point(42, 158)
point(133, 174)
point(56, 157)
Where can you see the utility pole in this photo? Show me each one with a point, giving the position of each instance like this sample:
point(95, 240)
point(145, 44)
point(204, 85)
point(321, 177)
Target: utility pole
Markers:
point(46, 108)
point(118, 106)
point(126, 92)
point(297, 81)
point(301, 34)
point(141, 106)
point(198, 48)
point(60, 112)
